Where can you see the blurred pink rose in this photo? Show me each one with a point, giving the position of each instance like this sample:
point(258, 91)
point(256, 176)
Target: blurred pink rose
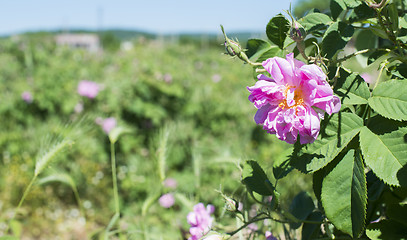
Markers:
point(108, 124)
point(170, 183)
point(200, 220)
point(216, 78)
point(88, 89)
point(27, 97)
point(269, 236)
point(167, 200)
point(367, 77)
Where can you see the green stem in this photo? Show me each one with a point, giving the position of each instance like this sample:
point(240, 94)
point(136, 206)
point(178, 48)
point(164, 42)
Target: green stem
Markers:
point(27, 190)
point(247, 224)
point(352, 55)
point(114, 177)
point(378, 77)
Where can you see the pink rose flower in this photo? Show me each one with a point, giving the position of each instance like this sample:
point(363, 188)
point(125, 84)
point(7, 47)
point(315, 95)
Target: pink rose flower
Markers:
point(27, 97)
point(88, 89)
point(170, 183)
point(108, 124)
point(167, 200)
point(200, 220)
point(269, 236)
point(293, 100)
point(367, 77)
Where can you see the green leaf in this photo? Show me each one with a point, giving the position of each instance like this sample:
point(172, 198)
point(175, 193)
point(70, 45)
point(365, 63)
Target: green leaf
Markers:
point(314, 21)
point(398, 213)
point(301, 206)
point(352, 3)
point(365, 39)
point(375, 55)
point(317, 178)
point(351, 88)
point(277, 29)
point(389, 99)
point(386, 230)
point(361, 13)
point(335, 38)
point(259, 50)
point(281, 166)
point(341, 129)
point(394, 17)
point(384, 148)
point(337, 6)
point(344, 194)
point(312, 231)
point(374, 186)
point(256, 179)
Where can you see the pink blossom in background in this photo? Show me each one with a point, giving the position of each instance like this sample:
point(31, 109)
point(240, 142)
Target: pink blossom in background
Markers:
point(216, 78)
point(27, 97)
point(167, 200)
point(252, 227)
point(88, 89)
point(269, 236)
point(367, 77)
point(167, 78)
point(292, 101)
point(200, 220)
point(108, 124)
point(170, 183)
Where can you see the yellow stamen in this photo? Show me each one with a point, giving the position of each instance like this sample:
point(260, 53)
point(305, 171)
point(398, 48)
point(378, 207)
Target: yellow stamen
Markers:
point(297, 98)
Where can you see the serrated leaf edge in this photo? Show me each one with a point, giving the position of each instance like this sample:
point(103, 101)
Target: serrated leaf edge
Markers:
point(389, 184)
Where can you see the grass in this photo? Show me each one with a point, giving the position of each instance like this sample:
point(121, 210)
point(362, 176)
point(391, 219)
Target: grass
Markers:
point(185, 113)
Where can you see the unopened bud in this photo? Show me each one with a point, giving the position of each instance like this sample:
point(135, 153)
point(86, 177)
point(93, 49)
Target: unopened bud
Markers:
point(229, 50)
point(297, 32)
point(233, 48)
point(231, 204)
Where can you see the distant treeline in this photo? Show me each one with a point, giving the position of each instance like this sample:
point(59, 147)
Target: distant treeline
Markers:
point(119, 35)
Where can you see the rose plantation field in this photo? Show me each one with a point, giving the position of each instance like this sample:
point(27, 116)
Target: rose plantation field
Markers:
point(184, 115)
point(301, 134)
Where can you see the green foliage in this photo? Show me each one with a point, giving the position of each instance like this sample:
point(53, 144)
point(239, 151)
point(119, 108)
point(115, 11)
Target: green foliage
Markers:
point(358, 162)
point(335, 38)
point(259, 50)
point(301, 207)
point(312, 157)
point(277, 29)
point(315, 21)
point(256, 179)
point(344, 194)
point(384, 148)
point(351, 88)
point(304, 5)
point(388, 101)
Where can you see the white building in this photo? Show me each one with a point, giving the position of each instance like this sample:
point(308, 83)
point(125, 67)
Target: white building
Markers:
point(86, 41)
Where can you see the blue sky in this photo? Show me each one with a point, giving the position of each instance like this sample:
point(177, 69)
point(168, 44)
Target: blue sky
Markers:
point(156, 16)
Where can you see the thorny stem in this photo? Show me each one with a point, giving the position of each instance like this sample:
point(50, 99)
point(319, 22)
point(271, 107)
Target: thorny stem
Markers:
point(390, 34)
point(258, 218)
point(247, 224)
point(376, 5)
point(352, 55)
